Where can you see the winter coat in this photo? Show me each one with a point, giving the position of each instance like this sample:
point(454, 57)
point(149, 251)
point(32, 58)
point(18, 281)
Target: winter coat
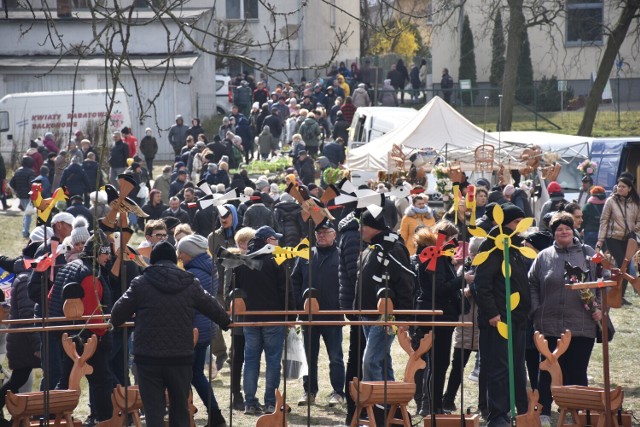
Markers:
point(289, 222)
point(550, 205)
point(464, 337)
point(521, 200)
point(204, 221)
point(412, 220)
point(78, 209)
point(554, 308)
point(349, 245)
point(306, 170)
point(21, 181)
point(93, 173)
point(385, 248)
point(324, 262)
point(163, 185)
point(448, 285)
point(592, 212)
point(335, 153)
point(149, 147)
point(258, 215)
point(387, 96)
point(75, 180)
point(265, 288)
point(348, 111)
point(181, 215)
point(178, 135)
point(310, 132)
point(164, 300)
point(341, 129)
point(265, 141)
point(35, 278)
point(490, 285)
point(50, 145)
point(275, 125)
point(620, 216)
point(154, 212)
point(360, 97)
point(21, 348)
point(119, 155)
point(243, 130)
point(203, 268)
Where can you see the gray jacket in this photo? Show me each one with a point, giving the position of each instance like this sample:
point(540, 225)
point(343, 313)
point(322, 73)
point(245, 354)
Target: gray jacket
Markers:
point(555, 308)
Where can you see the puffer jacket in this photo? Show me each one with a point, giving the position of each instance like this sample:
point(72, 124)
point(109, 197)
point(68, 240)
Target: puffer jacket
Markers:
point(258, 215)
point(289, 222)
point(324, 262)
point(385, 248)
point(76, 181)
point(21, 348)
point(412, 220)
point(202, 267)
point(350, 250)
point(555, 308)
point(490, 285)
point(447, 285)
point(21, 180)
point(164, 300)
point(620, 216)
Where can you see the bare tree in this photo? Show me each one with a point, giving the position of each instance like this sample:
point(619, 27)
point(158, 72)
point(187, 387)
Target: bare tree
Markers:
point(628, 13)
point(233, 38)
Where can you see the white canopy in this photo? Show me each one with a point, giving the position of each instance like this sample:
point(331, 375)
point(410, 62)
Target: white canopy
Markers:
point(567, 146)
point(437, 126)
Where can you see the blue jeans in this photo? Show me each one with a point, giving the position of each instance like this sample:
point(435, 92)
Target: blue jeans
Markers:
point(332, 337)
point(26, 219)
point(378, 348)
point(199, 380)
point(270, 339)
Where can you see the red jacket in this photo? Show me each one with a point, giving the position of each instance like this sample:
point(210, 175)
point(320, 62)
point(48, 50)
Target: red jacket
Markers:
point(132, 142)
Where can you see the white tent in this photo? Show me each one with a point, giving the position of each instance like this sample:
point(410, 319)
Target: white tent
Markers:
point(437, 126)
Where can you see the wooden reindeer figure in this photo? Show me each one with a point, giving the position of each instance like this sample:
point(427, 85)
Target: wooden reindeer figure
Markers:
point(570, 399)
point(532, 417)
point(62, 403)
point(279, 417)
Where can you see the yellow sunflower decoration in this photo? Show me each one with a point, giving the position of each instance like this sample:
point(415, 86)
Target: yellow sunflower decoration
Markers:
point(501, 242)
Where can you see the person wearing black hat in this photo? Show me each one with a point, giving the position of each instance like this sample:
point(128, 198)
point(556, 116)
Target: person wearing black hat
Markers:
point(556, 308)
point(90, 274)
point(385, 263)
point(266, 291)
point(491, 300)
point(325, 258)
point(164, 299)
point(620, 222)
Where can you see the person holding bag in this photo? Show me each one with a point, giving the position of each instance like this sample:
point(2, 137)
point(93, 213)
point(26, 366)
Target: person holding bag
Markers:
point(555, 308)
point(620, 221)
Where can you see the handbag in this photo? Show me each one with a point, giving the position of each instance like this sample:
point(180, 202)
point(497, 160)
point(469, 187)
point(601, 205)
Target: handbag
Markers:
point(295, 359)
point(610, 329)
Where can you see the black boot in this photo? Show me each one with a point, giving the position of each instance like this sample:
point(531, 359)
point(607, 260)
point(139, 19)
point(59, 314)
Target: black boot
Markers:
point(217, 420)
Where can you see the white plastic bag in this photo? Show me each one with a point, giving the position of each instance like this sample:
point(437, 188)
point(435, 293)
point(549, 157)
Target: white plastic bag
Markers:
point(295, 360)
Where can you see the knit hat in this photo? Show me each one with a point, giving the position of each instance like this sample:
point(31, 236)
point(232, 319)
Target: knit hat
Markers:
point(511, 212)
point(65, 217)
point(540, 240)
point(261, 183)
point(193, 245)
point(597, 190)
point(376, 222)
point(163, 251)
point(554, 187)
point(37, 235)
point(80, 232)
point(100, 239)
point(558, 220)
point(509, 190)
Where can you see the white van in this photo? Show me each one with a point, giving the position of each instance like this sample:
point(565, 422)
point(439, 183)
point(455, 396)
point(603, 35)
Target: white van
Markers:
point(27, 116)
point(370, 123)
point(223, 95)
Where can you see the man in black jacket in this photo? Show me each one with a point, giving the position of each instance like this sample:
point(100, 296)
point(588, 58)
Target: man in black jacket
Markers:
point(118, 158)
point(164, 299)
point(21, 184)
point(176, 211)
point(325, 258)
point(491, 300)
point(385, 263)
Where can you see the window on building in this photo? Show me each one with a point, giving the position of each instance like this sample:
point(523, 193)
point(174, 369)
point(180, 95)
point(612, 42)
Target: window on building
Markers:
point(584, 21)
point(81, 4)
point(242, 9)
point(10, 4)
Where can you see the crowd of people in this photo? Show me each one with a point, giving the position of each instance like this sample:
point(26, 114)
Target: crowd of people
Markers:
point(187, 283)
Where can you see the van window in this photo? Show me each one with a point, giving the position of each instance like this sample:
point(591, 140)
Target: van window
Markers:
point(4, 121)
point(569, 177)
point(607, 156)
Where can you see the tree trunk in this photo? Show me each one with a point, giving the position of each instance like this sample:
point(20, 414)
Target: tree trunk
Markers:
point(614, 42)
point(514, 42)
point(364, 27)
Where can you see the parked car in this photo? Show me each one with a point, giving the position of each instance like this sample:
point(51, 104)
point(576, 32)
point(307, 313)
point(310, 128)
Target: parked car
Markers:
point(224, 95)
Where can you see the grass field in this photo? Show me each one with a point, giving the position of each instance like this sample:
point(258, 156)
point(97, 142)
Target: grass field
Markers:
point(624, 358)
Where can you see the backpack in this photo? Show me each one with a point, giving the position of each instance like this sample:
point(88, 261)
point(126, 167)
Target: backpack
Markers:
point(307, 132)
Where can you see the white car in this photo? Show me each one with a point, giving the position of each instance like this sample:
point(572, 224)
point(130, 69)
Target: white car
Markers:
point(224, 95)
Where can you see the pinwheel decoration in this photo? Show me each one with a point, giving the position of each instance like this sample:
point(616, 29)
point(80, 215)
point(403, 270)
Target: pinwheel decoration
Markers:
point(233, 260)
point(120, 203)
point(431, 254)
point(281, 254)
point(46, 261)
point(45, 206)
point(216, 199)
point(503, 243)
point(311, 207)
